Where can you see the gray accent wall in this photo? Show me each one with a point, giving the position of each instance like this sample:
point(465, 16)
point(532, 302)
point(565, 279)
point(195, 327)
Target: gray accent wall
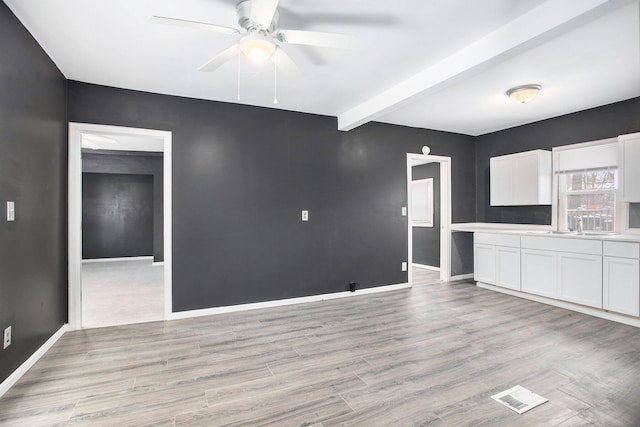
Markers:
point(242, 175)
point(597, 123)
point(634, 215)
point(117, 215)
point(461, 253)
point(132, 162)
point(33, 174)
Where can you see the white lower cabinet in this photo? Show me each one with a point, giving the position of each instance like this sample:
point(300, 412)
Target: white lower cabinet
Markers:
point(589, 272)
point(561, 268)
point(496, 259)
point(484, 263)
point(539, 272)
point(580, 278)
point(508, 267)
point(621, 278)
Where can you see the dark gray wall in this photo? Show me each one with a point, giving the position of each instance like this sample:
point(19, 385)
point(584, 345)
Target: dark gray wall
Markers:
point(589, 125)
point(426, 240)
point(634, 215)
point(241, 176)
point(131, 162)
point(461, 253)
point(33, 160)
point(117, 215)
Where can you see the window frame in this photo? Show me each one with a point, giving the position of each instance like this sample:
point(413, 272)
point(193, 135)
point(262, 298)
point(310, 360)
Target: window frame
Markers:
point(562, 200)
point(622, 209)
point(416, 186)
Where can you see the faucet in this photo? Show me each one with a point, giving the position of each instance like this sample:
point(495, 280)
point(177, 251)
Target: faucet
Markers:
point(579, 227)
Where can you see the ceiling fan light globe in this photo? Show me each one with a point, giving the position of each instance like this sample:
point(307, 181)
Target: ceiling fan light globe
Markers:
point(257, 48)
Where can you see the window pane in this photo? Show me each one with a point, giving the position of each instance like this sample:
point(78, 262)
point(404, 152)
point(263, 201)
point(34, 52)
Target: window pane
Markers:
point(597, 211)
point(592, 180)
point(590, 195)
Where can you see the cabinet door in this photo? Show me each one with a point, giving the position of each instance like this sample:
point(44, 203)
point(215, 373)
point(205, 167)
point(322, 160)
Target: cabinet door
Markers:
point(630, 159)
point(525, 179)
point(484, 263)
point(508, 267)
point(501, 180)
point(621, 285)
point(538, 272)
point(580, 278)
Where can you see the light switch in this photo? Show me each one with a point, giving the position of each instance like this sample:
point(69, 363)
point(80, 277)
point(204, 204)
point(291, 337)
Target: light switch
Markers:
point(305, 215)
point(11, 211)
point(404, 211)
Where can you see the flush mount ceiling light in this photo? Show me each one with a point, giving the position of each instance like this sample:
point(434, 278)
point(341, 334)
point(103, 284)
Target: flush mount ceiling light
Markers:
point(257, 48)
point(524, 93)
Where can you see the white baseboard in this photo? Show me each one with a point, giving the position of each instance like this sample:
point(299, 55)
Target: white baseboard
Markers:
point(157, 264)
point(22, 369)
point(461, 277)
point(128, 258)
point(425, 267)
point(631, 321)
point(283, 302)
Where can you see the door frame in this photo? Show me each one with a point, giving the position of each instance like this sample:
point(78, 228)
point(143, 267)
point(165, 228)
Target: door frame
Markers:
point(445, 212)
point(76, 130)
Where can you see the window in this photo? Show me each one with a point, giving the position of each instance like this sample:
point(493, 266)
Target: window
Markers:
point(422, 203)
point(586, 186)
point(590, 195)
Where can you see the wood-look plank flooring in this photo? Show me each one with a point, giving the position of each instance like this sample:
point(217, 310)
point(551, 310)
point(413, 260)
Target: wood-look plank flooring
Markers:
point(423, 276)
point(430, 355)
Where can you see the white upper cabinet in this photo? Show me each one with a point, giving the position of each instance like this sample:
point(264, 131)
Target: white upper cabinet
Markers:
point(629, 175)
point(521, 179)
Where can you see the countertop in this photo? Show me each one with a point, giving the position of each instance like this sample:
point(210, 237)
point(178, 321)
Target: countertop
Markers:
point(538, 230)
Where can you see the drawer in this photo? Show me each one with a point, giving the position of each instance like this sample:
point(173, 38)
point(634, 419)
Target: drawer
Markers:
point(560, 244)
point(621, 249)
point(510, 240)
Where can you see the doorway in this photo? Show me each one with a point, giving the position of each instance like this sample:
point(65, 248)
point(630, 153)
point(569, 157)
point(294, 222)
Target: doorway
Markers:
point(429, 217)
point(116, 141)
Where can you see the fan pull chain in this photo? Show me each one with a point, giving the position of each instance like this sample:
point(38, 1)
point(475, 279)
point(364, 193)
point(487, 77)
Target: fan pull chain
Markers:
point(275, 81)
point(238, 97)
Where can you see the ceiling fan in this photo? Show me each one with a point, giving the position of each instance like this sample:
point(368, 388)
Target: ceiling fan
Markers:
point(261, 38)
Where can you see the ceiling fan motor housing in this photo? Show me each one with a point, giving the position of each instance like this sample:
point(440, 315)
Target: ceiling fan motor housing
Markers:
point(244, 19)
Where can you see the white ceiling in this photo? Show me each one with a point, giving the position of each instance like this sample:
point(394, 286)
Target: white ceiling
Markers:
point(438, 64)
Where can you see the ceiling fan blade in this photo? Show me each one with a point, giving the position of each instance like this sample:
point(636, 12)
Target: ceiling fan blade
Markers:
point(285, 63)
point(221, 58)
point(262, 11)
point(315, 38)
point(192, 24)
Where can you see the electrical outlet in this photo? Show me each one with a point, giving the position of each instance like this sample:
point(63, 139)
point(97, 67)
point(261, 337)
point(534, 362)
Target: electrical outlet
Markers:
point(404, 211)
point(404, 266)
point(7, 337)
point(305, 215)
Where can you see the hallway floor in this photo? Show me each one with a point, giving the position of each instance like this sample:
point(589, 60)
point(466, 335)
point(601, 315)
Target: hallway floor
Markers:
point(121, 292)
point(422, 276)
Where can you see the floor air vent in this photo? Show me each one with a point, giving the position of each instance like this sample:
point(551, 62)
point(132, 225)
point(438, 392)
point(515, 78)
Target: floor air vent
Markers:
point(519, 399)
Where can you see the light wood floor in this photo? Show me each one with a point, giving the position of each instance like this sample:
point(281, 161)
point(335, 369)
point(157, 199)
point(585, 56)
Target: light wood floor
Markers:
point(430, 355)
point(422, 276)
point(121, 292)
